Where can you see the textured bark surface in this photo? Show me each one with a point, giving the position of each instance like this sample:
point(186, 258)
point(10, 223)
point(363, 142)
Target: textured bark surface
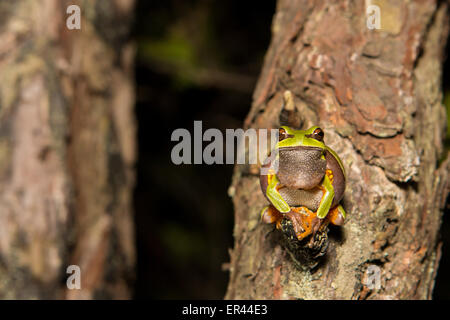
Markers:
point(66, 149)
point(377, 95)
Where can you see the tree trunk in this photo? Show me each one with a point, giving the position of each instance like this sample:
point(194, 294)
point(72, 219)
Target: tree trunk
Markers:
point(66, 149)
point(377, 95)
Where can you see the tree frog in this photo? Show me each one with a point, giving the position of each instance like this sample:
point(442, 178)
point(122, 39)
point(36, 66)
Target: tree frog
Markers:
point(304, 182)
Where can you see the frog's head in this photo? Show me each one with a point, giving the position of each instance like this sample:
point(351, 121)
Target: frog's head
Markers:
point(311, 138)
point(302, 163)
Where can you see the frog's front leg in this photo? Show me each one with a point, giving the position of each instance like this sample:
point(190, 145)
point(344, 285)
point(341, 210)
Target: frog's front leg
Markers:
point(304, 221)
point(327, 198)
point(274, 196)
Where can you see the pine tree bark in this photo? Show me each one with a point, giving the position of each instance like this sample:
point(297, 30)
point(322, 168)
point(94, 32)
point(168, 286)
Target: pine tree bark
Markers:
point(66, 149)
point(377, 94)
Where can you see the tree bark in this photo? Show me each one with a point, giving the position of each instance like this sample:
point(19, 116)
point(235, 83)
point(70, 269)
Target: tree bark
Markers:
point(377, 95)
point(66, 149)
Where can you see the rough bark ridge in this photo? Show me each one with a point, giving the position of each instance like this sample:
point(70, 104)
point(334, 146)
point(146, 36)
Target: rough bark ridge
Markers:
point(377, 95)
point(66, 149)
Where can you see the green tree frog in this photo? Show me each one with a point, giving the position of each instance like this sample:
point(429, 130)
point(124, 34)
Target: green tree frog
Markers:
point(304, 182)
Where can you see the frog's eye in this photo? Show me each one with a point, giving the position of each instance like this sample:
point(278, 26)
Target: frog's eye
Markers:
point(318, 134)
point(282, 134)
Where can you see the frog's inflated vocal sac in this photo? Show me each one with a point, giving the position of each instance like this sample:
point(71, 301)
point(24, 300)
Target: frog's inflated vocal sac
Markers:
point(304, 183)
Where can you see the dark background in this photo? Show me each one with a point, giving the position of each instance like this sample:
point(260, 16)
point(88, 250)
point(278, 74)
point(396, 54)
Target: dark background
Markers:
point(198, 60)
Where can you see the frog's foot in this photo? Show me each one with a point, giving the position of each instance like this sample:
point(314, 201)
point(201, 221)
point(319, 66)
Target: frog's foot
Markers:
point(304, 222)
point(336, 216)
point(330, 175)
point(271, 215)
